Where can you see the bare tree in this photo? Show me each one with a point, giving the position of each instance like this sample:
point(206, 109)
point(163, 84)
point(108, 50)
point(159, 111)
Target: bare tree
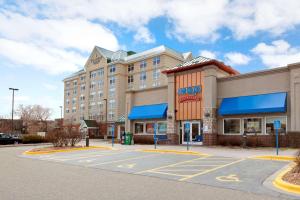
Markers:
point(34, 113)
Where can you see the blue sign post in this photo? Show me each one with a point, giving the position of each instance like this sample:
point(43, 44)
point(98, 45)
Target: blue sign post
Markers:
point(277, 126)
point(112, 135)
point(187, 134)
point(155, 136)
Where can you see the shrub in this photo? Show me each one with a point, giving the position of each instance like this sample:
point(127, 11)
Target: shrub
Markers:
point(297, 161)
point(64, 137)
point(30, 139)
point(56, 137)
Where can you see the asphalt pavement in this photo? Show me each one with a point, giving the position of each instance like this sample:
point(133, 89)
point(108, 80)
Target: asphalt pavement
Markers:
point(131, 174)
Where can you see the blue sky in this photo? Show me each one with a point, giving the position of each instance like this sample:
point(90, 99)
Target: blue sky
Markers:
point(41, 42)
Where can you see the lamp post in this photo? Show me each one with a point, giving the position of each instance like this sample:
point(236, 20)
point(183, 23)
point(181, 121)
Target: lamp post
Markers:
point(105, 116)
point(12, 107)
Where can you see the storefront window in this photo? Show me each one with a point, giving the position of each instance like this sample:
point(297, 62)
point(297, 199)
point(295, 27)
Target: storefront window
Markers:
point(162, 127)
point(270, 125)
point(150, 128)
point(253, 125)
point(232, 126)
point(139, 127)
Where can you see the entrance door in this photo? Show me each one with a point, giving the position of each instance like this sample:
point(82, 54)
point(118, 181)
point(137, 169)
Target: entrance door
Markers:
point(192, 132)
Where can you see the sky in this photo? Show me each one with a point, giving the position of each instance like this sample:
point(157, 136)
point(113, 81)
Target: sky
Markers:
point(42, 42)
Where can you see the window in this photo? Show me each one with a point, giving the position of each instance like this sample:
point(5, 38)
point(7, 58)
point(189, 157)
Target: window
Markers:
point(112, 92)
point(162, 127)
point(143, 78)
point(92, 86)
point(68, 93)
point(92, 95)
point(75, 83)
point(100, 94)
point(130, 81)
point(101, 72)
point(75, 91)
point(81, 107)
point(74, 101)
point(82, 87)
point(82, 78)
point(150, 128)
point(112, 69)
point(130, 68)
point(143, 65)
point(270, 124)
point(73, 110)
point(112, 104)
point(100, 104)
point(112, 81)
point(232, 126)
point(82, 98)
point(67, 110)
point(156, 74)
point(110, 130)
point(93, 74)
point(67, 101)
point(67, 85)
point(139, 128)
point(156, 60)
point(100, 83)
point(111, 115)
point(253, 125)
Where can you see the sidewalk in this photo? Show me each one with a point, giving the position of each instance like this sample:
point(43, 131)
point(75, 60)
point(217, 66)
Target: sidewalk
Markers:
point(234, 152)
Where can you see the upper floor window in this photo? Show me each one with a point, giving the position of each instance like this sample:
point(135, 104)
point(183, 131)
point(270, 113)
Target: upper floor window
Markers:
point(100, 93)
point(156, 60)
point(82, 98)
point(130, 68)
point(130, 81)
point(75, 83)
point(143, 76)
point(156, 74)
point(74, 91)
point(92, 86)
point(112, 81)
point(93, 74)
point(112, 69)
point(101, 83)
point(82, 87)
point(101, 72)
point(82, 78)
point(112, 104)
point(67, 85)
point(112, 92)
point(68, 93)
point(67, 110)
point(143, 64)
point(67, 101)
point(74, 101)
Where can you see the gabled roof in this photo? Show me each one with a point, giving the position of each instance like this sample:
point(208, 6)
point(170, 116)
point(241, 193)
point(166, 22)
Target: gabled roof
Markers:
point(75, 74)
point(91, 123)
point(200, 61)
point(105, 52)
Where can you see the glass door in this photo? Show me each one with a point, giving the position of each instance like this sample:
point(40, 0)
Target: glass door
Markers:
point(191, 132)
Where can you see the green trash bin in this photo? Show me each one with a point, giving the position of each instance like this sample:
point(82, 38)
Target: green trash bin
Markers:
point(128, 138)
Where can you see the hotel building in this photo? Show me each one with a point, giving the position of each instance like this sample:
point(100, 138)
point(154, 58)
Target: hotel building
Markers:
point(184, 99)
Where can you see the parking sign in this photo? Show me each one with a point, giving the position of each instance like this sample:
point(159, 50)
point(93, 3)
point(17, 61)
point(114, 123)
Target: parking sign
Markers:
point(277, 124)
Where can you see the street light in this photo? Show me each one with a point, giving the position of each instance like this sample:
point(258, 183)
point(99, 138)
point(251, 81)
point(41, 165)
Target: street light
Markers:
point(12, 107)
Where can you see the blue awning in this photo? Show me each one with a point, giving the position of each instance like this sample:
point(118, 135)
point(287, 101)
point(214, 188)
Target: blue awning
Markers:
point(264, 103)
point(154, 111)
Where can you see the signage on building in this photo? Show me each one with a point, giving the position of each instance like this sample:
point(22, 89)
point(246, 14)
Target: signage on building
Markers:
point(192, 93)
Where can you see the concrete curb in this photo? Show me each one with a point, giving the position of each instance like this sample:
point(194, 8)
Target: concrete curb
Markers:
point(24, 145)
point(283, 185)
point(30, 152)
point(278, 158)
point(173, 152)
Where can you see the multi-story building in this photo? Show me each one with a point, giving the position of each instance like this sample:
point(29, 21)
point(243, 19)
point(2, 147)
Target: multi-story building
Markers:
point(98, 92)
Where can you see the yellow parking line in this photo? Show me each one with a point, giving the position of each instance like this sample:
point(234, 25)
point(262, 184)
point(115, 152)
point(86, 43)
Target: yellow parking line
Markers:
point(116, 161)
point(210, 170)
point(171, 165)
point(166, 173)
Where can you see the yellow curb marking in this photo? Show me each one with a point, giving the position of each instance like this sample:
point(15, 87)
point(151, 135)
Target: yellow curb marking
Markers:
point(210, 170)
point(30, 152)
point(278, 158)
point(229, 178)
point(285, 186)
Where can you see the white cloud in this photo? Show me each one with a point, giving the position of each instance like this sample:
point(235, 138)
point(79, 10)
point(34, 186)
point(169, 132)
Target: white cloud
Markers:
point(52, 45)
point(208, 54)
point(144, 35)
point(278, 53)
point(236, 58)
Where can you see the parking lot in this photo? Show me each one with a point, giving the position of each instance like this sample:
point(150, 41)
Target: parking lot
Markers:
point(226, 172)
